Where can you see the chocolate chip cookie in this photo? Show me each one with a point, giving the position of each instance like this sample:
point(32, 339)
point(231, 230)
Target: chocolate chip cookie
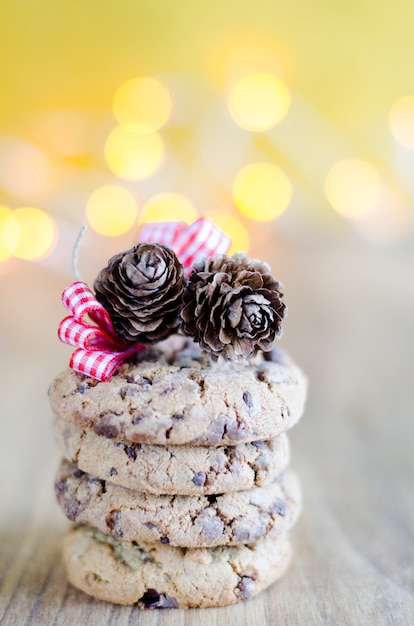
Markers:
point(184, 470)
point(168, 397)
point(185, 521)
point(163, 576)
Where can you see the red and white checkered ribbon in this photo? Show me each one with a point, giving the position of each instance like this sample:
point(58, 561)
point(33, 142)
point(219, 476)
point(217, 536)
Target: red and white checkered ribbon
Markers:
point(190, 243)
point(99, 350)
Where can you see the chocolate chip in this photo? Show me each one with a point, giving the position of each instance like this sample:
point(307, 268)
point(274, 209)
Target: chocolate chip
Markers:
point(128, 391)
point(78, 473)
point(150, 525)
point(177, 416)
point(245, 587)
point(82, 387)
point(113, 471)
point(150, 599)
point(164, 540)
point(197, 378)
point(260, 444)
point(261, 375)
point(247, 399)
point(280, 507)
point(61, 488)
point(235, 429)
point(131, 452)
point(167, 391)
point(110, 431)
point(147, 559)
point(113, 522)
point(246, 533)
point(223, 426)
point(241, 534)
point(275, 356)
point(73, 508)
point(199, 479)
point(211, 525)
point(168, 603)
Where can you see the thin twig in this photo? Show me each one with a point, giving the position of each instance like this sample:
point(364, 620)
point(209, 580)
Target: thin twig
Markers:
point(75, 252)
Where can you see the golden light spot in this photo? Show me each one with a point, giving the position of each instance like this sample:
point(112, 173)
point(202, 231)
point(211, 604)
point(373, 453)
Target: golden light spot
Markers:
point(233, 57)
point(167, 207)
point(401, 120)
point(63, 132)
point(353, 187)
point(132, 156)
point(4, 237)
point(234, 228)
point(25, 171)
point(391, 220)
point(111, 210)
point(142, 105)
point(262, 191)
point(29, 233)
point(259, 101)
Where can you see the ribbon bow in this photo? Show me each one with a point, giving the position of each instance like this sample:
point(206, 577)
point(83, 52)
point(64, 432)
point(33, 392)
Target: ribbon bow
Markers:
point(200, 239)
point(99, 350)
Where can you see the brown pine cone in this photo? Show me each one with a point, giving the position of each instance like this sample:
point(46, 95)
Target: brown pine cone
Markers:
point(142, 291)
point(232, 306)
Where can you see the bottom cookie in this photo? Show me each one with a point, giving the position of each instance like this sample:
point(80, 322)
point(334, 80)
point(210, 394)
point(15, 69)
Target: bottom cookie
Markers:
point(162, 576)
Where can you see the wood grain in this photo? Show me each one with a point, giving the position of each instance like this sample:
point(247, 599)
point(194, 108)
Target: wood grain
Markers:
point(350, 325)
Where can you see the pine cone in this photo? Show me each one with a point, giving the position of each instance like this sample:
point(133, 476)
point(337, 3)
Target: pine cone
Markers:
point(142, 289)
point(232, 306)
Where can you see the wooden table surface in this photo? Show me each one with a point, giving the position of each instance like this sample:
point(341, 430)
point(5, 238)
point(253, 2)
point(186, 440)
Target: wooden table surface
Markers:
point(351, 327)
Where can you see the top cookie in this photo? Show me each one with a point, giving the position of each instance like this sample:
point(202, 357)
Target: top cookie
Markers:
point(175, 395)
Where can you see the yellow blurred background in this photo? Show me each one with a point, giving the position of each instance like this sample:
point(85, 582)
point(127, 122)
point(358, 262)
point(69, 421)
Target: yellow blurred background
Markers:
point(274, 119)
point(291, 125)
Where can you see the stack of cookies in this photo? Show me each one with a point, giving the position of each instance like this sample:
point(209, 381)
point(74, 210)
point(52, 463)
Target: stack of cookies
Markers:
point(175, 475)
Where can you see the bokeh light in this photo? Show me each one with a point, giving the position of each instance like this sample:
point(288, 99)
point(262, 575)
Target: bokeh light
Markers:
point(402, 121)
point(142, 105)
point(246, 53)
point(63, 132)
point(134, 156)
point(25, 171)
point(167, 207)
point(5, 244)
point(111, 210)
point(391, 220)
point(234, 228)
point(262, 191)
point(353, 187)
point(29, 233)
point(259, 101)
